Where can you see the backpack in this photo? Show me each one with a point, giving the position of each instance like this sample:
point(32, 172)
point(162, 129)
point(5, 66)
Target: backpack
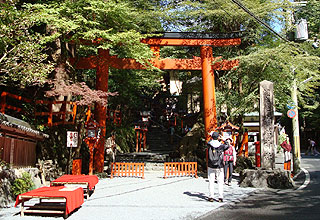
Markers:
point(215, 157)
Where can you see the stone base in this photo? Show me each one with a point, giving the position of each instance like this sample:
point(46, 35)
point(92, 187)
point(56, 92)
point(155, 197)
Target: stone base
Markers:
point(263, 178)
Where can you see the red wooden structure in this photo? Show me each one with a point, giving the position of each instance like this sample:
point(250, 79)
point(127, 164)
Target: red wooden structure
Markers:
point(114, 116)
point(63, 114)
point(229, 129)
point(258, 153)
point(68, 200)
point(54, 118)
point(124, 169)
point(206, 63)
point(141, 138)
point(177, 169)
point(244, 148)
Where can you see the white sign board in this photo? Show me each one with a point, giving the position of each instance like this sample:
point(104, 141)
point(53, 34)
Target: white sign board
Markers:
point(72, 139)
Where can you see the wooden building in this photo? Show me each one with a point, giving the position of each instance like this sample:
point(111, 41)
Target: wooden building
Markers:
point(18, 141)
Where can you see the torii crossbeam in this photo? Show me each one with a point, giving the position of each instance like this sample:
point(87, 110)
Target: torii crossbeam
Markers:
point(206, 63)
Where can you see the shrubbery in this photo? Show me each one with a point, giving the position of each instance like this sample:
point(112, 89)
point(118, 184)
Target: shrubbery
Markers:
point(23, 184)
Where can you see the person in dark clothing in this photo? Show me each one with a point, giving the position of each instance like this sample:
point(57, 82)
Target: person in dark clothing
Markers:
point(215, 165)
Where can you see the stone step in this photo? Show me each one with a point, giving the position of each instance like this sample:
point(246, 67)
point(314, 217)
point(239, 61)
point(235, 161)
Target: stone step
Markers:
point(160, 156)
point(154, 167)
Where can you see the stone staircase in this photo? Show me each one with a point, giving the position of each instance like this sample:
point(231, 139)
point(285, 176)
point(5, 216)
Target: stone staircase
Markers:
point(158, 149)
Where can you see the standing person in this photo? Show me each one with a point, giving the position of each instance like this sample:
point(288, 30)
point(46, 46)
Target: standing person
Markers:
point(287, 153)
point(312, 148)
point(229, 158)
point(215, 165)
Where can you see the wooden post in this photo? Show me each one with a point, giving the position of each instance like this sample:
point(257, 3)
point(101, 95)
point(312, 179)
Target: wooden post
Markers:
point(140, 140)
point(209, 99)
point(90, 144)
point(144, 139)
point(101, 111)
point(76, 166)
point(50, 116)
point(22, 208)
point(137, 140)
point(91, 159)
point(3, 102)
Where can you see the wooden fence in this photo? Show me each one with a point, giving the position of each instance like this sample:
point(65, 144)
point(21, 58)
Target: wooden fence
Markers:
point(172, 169)
point(124, 169)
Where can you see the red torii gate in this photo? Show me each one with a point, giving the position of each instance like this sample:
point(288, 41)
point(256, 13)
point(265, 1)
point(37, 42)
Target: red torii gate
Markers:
point(206, 63)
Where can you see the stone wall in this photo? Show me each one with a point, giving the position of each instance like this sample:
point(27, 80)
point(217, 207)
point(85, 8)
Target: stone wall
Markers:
point(7, 178)
point(41, 175)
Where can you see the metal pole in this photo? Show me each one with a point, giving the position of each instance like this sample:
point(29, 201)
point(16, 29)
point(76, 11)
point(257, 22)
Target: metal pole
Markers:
point(295, 129)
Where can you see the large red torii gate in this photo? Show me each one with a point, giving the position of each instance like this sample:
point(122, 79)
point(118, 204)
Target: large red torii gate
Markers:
point(206, 63)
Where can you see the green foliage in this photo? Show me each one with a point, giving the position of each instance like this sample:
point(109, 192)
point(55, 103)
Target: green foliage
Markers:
point(23, 184)
point(125, 138)
point(22, 61)
point(31, 34)
point(280, 65)
point(116, 22)
point(311, 12)
point(222, 16)
point(131, 86)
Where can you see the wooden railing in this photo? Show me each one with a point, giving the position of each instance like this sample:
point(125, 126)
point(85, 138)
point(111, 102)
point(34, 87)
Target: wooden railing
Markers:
point(65, 115)
point(127, 169)
point(174, 169)
point(62, 114)
point(4, 105)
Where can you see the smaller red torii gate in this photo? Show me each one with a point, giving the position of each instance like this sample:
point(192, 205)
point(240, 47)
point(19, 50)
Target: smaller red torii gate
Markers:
point(206, 62)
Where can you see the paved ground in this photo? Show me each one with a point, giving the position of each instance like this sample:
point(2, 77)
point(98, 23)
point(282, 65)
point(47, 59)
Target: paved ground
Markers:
point(302, 202)
point(149, 198)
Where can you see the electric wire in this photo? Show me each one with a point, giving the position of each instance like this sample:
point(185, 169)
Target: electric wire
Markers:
point(258, 19)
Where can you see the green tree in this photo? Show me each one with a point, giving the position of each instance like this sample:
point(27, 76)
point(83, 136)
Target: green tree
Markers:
point(23, 60)
point(262, 56)
point(42, 35)
point(311, 13)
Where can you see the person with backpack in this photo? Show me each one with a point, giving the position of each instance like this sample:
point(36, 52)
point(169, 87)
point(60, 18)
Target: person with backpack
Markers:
point(215, 165)
point(229, 159)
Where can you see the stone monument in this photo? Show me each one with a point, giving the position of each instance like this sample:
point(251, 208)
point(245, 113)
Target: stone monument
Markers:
point(266, 175)
point(267, 125)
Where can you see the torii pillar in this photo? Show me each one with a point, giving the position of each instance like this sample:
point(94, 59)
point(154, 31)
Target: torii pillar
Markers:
point(102, 76)
point(208, 88)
